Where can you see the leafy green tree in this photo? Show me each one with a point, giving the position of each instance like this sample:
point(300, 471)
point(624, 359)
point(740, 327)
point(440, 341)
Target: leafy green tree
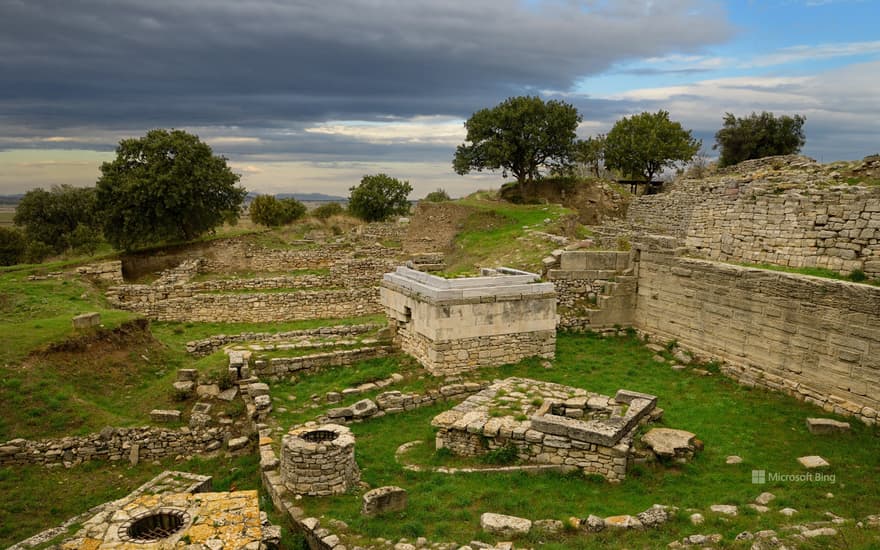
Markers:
point(51, 217)
point(591, 152)
point(12, 246)
point(642, 145)
point(325, 211)
point(757, 136)
point(521, 136)
point(272, 212)
point(439, 195)
point(378, 197)
point(165, 186)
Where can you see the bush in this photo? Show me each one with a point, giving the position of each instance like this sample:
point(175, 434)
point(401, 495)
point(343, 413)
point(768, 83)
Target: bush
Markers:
point(271, 212)
point(437, 196)
point(327, 210)
point(84, 239)
point(12, 246)
point(379, 197)
point(37, 251)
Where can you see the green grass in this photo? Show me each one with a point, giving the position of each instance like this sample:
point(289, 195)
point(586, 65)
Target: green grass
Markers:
point(35, 498)
point(35, 313)
point(493, 234)
point(816, 272)
point(766, 429)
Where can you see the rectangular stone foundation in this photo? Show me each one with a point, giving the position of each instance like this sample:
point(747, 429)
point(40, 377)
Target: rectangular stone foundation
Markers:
point(455, 325)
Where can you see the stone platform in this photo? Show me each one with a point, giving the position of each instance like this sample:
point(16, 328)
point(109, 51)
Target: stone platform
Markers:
point(548, 423)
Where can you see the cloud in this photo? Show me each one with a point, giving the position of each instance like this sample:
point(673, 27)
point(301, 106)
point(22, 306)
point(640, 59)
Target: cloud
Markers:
point(815, 52)
point(433, 130)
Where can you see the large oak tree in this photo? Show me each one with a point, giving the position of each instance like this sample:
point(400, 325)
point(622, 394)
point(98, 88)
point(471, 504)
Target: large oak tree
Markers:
point(642, 145)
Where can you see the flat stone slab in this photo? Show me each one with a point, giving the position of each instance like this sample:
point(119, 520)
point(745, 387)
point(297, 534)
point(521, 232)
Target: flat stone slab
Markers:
point(667, 442)
point(238, 443)
point(726, 509)
point(86, 320)
point(623, 522)
point(228, 395)
point(187, 375)
point(733, 459)
point(822, 426)
point(207, 390)
point(813, 461)
point(505, 526)
point(260, 388)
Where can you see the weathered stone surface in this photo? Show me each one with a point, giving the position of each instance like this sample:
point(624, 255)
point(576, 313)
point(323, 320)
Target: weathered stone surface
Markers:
point(764, 498)
point(824, 426)
point(86, 320)
point(228, 395)
point(364, 408)
point(623, 522)
point(237, 443)
point(813, 461)
point(187, 375)
point(697, 518)
point(725, 509)
point(594, 524)
point(160, 415)
point(654, 516)
point(820, 532)
point(733, 459)
point(504, 526)
point(207, 390)
point(667, 442)
point(788, 512)
point(549, 526)
point(257, 389)
point(384, 499)
point(262, 402)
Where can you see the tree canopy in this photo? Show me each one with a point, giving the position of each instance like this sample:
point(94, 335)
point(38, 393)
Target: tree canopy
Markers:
point(642, 145)
point(591, 152)
point(520, 136)
point(757, 136)
point(272, 212)
point(165, 186)
point(378, 197)
point(55, 217)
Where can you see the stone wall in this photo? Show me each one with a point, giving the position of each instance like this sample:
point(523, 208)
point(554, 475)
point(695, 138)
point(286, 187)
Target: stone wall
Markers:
point(453, 325)
point(594, 289)
point(176, 303)
point(283, 367)
point(668, 212)
point(209, 345)
point(816, 339)
point(109, 272)
point(835, 228)
point(112, 444)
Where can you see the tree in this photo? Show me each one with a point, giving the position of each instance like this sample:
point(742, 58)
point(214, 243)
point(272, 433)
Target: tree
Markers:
point(591, 152)
point(758, 136)
point(52, 217)
point(165, 186)
point(439, 195)
point(521, 135)
point(272, 212)
point(12, 246)
point(379, 197)
point(642, 145)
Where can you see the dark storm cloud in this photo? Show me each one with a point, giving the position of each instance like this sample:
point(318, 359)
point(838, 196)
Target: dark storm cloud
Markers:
point(123, 64)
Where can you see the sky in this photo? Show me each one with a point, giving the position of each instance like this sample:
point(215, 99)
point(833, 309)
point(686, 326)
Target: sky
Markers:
point(309, 95)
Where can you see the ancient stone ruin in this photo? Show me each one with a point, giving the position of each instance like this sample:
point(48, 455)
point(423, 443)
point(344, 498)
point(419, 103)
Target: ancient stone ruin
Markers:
point(548, 423)
point(319, 460)
point(455, 325)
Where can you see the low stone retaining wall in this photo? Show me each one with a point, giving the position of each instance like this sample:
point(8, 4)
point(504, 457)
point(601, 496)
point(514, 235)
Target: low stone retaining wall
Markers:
point(144, 443)
point(207, 346)
point(180, 304)
point(110, 272)
point(281, 367)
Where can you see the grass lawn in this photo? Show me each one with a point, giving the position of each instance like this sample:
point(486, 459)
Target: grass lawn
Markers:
point(496, 235)
point(766, 429)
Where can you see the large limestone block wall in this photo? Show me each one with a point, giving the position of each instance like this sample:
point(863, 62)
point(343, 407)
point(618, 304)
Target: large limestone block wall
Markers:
point(668, 212)
point(813, 338)
point(460, 324)
point(834, 228)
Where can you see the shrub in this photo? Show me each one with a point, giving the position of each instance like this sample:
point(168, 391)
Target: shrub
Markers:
point(757, 136)
point(51, 217)
point(327, 210)
point(272, 212)
point(12, 246)
point(439, 195)
point(502, 455)
point(37, 251)
point(84, 239)
point(379, 197)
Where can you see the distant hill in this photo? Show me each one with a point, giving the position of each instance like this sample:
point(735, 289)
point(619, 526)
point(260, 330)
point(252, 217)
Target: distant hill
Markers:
point(308, 197)
point(11, 199)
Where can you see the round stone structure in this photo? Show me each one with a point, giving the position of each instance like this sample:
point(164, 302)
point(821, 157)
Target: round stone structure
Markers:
point(319, 460)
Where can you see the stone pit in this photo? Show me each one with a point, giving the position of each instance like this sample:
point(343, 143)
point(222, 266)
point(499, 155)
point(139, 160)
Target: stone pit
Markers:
point(548, 423)
point(319, 460)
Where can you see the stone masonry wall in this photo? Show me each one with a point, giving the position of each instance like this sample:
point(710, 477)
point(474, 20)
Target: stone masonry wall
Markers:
point(112, 444)
point(816, 339)
point(670, 212)
point(180, 304)
point(836, 228)
point(592, 289)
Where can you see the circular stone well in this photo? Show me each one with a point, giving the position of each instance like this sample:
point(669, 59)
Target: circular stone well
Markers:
point(319, 460)
point(154, 525)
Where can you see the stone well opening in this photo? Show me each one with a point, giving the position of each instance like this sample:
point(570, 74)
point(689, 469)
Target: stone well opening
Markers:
point(319, 436)
point(319, 460)
point(156, 525)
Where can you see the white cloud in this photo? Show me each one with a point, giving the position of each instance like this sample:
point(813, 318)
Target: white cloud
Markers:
point(813, 52)
point(428, 130)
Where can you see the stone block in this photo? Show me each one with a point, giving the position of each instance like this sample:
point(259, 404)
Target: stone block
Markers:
point(822, 426)
point(86, 320)
point(160, 415)
point(813, 461)
point(207, 390)
point(384, 499)
point(187, 375)
point(504, 526)
point(237, 443)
